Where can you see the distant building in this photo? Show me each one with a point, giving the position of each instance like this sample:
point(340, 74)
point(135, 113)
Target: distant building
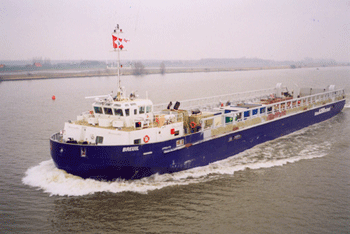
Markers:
point(37, 65)
point(2, 65)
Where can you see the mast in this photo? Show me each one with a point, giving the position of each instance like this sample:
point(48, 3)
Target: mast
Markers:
point(118, 46)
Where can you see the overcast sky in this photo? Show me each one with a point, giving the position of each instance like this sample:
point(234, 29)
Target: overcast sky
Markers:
point(181, 29)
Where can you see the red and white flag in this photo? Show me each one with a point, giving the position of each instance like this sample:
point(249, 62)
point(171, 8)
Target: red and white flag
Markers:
point(117, 42)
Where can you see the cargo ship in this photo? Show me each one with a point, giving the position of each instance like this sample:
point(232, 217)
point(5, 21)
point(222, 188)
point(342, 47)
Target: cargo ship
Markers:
point(126, 137)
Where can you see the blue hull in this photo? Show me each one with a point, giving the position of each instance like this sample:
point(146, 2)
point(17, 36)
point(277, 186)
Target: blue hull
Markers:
point(110, 162)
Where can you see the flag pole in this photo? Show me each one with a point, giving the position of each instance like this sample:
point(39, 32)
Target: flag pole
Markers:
point(117, 48)
point(118, 69)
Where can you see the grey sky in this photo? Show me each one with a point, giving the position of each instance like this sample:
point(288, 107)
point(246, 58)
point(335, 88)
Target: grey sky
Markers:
point(181, 29)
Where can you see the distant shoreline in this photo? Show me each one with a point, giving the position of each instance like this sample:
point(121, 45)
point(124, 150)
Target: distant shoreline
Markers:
point(125, 71)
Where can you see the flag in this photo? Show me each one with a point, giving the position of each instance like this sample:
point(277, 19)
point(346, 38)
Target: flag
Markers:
point(117, 42)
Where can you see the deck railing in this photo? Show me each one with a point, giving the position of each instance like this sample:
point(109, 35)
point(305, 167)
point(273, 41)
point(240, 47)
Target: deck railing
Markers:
point(234, 120)
point(164, 117)
point(56, 136)
point(208, 103)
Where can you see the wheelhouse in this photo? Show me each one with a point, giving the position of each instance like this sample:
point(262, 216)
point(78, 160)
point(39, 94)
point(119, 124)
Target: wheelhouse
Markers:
point(127, 111)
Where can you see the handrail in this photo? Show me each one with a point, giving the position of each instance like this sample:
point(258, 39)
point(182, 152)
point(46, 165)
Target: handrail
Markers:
point(276, 110)
point(162, 118)
point(56, 137)
point(215, 100)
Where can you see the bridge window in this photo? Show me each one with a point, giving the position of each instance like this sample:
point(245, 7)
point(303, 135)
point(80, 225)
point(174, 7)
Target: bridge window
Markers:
point(98, 110)
point(148, 109)
point(262, 110)
point(127, 112)
point(141, 109)
point(108, 111)
point(118, 112)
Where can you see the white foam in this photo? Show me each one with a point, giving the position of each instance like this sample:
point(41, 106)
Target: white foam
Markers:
point(51, 180)
point(54, 181)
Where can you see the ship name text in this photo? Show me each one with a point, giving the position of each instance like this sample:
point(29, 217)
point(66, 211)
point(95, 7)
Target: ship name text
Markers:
point(322, 110)
point(129, 149)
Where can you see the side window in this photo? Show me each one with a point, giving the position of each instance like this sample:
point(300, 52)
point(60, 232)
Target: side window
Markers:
point(118, 112)
point(108, 111)
point(127, 112)
point(99, 139)
point(98, 110)
point(135, 111)
point(137, 141)
point(148, 109)
point(141, 110)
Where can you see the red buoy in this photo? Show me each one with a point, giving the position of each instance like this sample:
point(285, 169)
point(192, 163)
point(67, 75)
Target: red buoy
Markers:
point(53, 97)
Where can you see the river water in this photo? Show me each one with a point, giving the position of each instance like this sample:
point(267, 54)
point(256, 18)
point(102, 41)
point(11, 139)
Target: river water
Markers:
point(299, 183)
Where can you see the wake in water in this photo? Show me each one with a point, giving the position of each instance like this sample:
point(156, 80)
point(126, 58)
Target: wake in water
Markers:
point(288, 149)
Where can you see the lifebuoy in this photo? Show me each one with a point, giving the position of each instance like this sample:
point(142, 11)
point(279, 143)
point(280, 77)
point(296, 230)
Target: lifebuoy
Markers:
point(193, 124)
point(146, 139)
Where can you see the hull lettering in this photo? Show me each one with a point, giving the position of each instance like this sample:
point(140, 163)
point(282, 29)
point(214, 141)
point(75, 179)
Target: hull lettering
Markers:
point(322, 110)
point(130, 149)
